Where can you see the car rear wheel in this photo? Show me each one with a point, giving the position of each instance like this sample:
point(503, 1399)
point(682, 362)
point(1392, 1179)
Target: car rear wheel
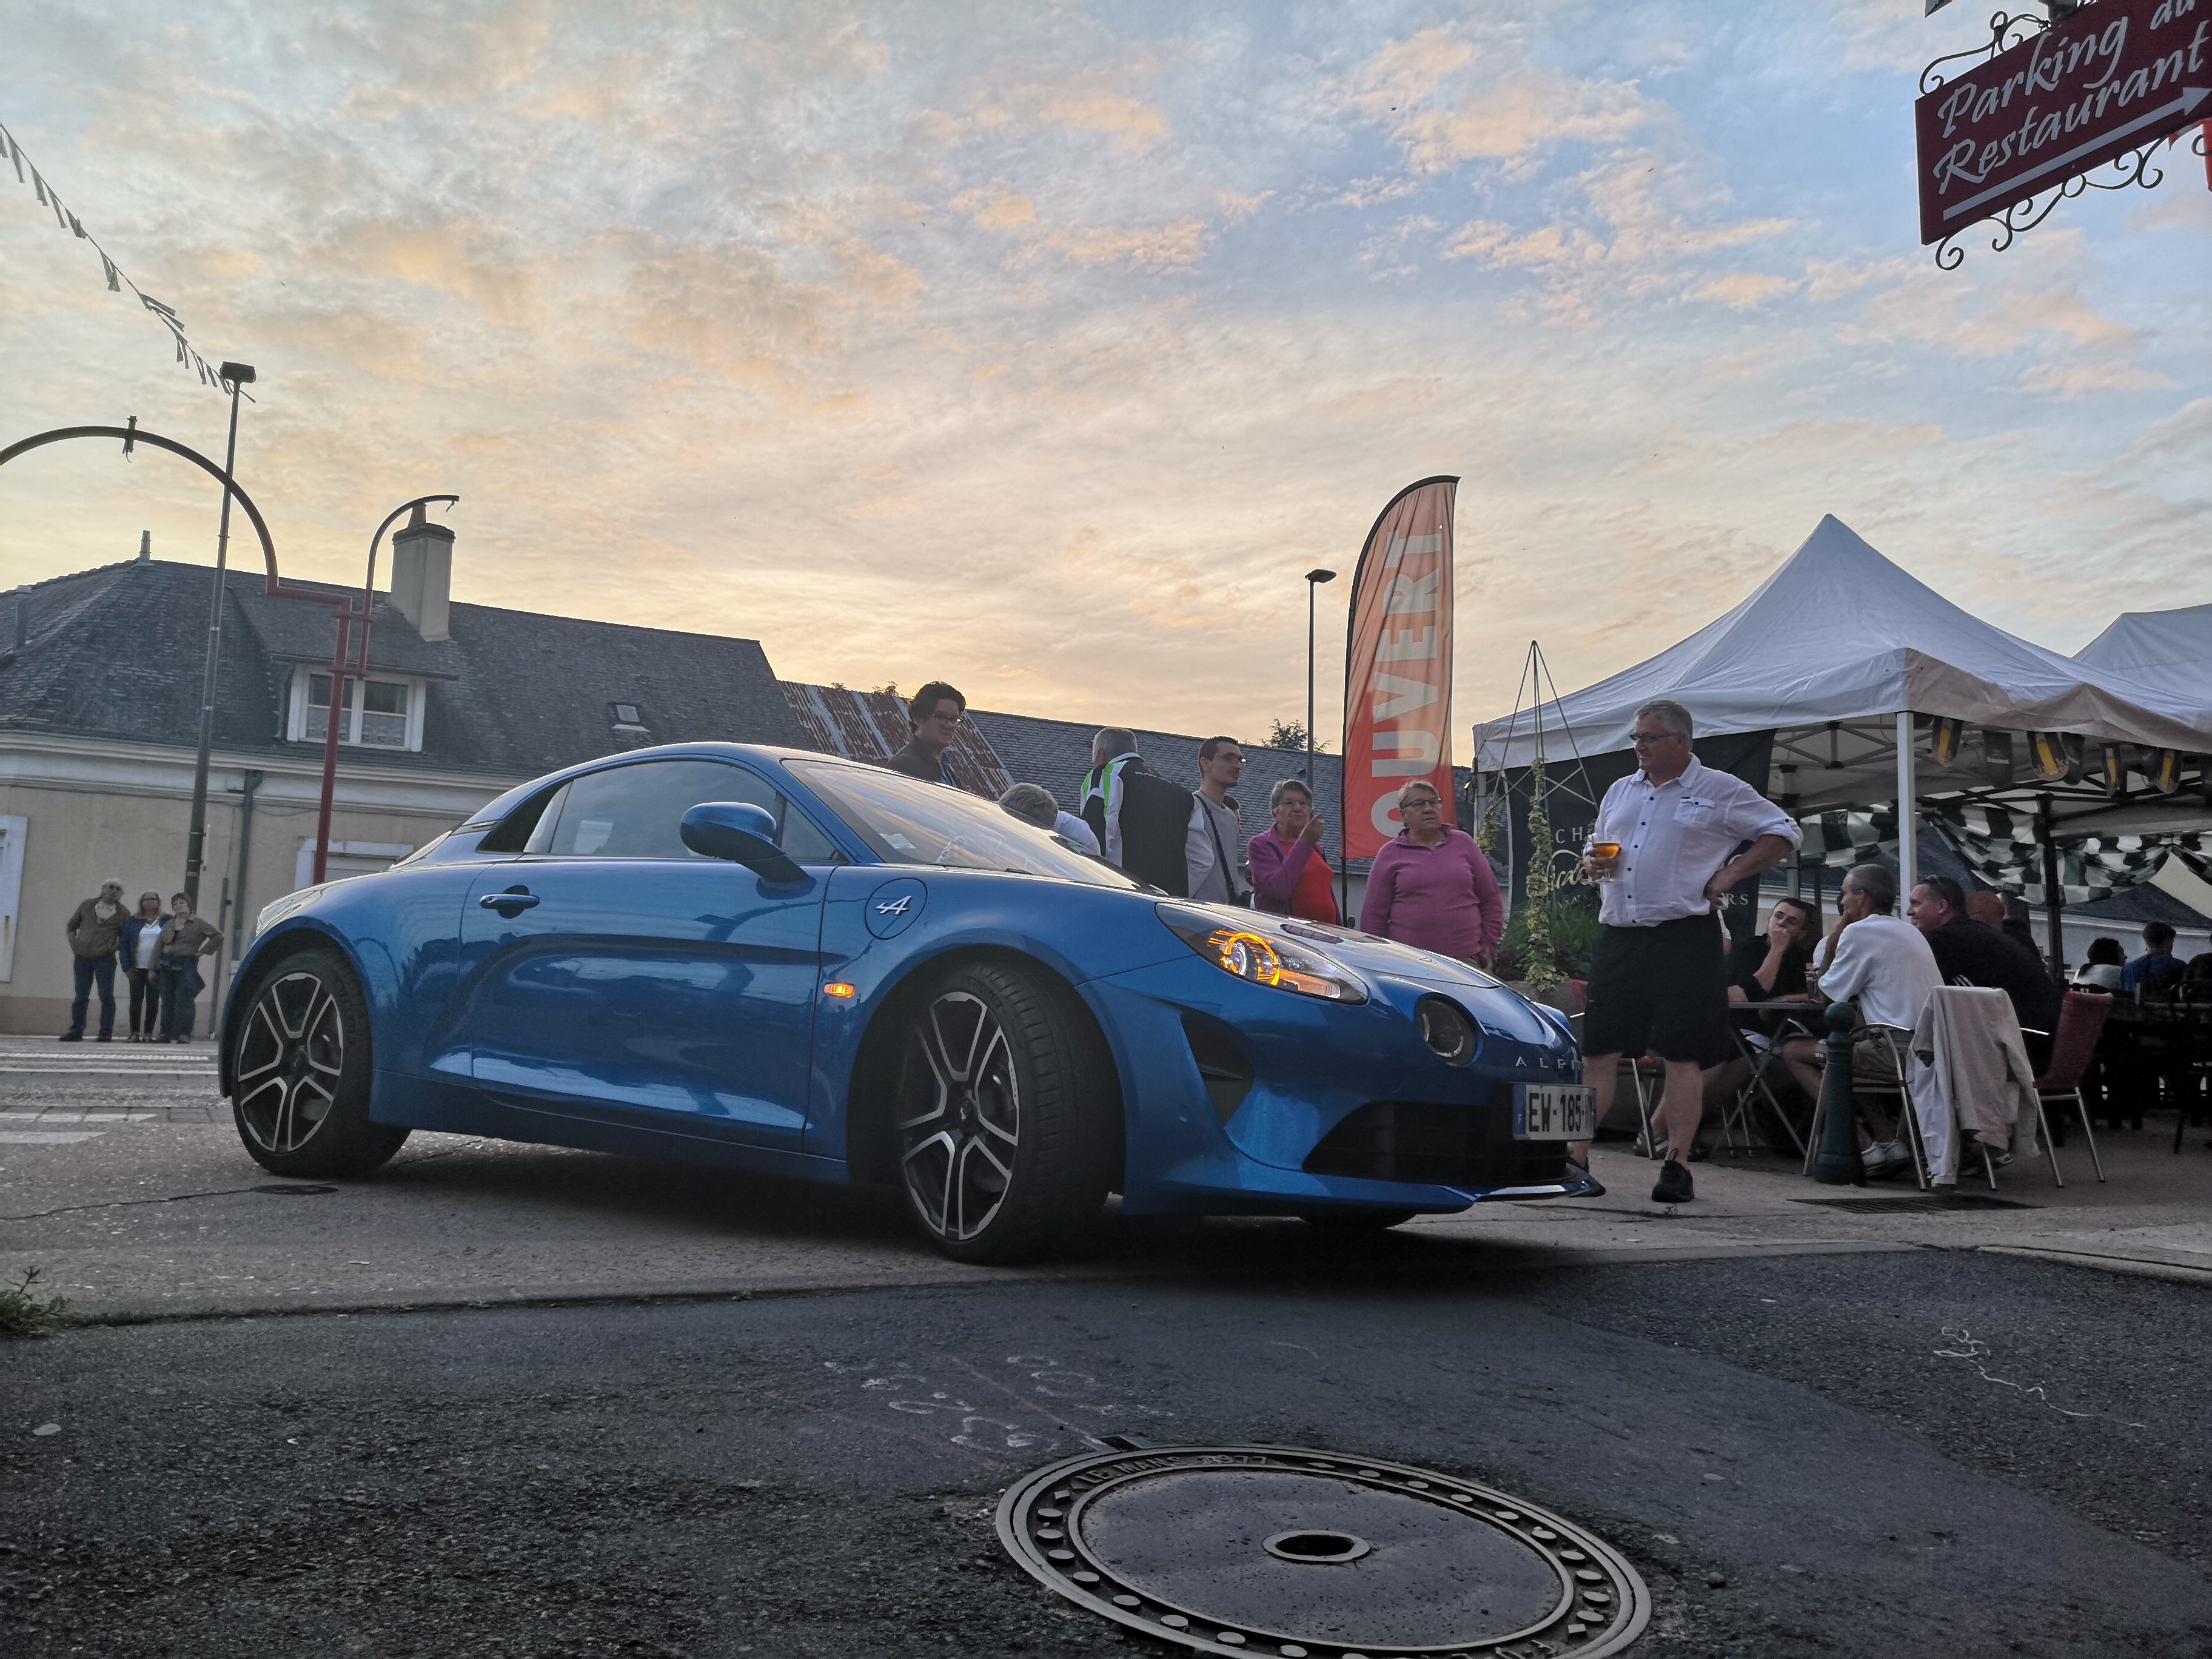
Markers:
point(1003, 1106)
point(299, 1072)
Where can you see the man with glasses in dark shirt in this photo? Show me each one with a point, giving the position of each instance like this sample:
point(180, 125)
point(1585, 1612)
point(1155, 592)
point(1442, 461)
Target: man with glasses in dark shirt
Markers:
point(934, 714)
point(1968, 953)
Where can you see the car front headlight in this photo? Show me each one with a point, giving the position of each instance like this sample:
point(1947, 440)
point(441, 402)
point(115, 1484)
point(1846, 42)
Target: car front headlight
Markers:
point(290, 904)
point(1283, 963)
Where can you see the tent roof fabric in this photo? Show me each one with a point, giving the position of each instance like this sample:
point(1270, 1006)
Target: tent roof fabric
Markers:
point(2168, 648)
point(1840, 634)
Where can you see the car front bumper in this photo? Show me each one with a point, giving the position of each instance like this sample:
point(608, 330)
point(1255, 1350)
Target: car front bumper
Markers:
point(1242, 1099)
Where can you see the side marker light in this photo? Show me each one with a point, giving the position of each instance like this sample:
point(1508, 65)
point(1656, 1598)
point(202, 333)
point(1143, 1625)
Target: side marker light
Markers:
point(841, 991)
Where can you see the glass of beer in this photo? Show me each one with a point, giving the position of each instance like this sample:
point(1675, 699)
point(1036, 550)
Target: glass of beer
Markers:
point(1606, 852)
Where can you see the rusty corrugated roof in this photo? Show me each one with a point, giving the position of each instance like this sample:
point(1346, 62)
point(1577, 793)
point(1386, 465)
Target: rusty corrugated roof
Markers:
point(872, 727)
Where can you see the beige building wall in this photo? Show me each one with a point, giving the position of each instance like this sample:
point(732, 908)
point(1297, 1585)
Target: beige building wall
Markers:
point(93, 810)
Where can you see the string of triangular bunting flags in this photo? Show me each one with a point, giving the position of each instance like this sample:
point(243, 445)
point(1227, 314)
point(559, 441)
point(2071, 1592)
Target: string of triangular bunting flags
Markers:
point(41, 186)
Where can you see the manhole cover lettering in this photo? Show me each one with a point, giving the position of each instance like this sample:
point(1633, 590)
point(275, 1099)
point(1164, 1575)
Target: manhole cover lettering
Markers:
point(1280, 1550)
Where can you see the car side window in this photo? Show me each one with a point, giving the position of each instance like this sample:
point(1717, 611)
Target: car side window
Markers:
point(637, 812)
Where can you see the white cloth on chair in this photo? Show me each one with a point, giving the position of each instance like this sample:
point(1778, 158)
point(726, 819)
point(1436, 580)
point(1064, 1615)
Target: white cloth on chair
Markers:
point(1967, 1071)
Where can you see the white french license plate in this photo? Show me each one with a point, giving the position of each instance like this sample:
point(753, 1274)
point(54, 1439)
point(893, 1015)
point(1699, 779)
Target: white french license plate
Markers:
point(1555, 1111)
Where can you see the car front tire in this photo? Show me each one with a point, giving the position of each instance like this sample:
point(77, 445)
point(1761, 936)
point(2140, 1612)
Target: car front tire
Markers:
point(300, 1065)
point(1003, 1108)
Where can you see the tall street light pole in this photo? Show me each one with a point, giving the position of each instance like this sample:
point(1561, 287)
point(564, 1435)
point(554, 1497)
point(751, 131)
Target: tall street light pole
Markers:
point(1314, 580)
point(236, 376)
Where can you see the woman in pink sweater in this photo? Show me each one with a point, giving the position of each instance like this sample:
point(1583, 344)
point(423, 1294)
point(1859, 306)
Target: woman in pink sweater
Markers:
point(1431, 887)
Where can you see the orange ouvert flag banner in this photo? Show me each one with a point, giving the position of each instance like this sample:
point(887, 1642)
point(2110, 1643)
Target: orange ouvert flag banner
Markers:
point(1397, 664)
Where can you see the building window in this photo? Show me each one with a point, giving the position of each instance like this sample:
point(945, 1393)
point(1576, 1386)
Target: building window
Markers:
point(378, 713)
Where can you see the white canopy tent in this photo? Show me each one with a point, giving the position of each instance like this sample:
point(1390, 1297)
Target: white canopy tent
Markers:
point(1835, 652)
point(2167, 648)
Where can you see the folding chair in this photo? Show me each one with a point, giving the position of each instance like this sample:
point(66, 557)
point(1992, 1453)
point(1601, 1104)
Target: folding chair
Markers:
point(1909, 1117)
point(1649, 1076)
point(2080, 1022)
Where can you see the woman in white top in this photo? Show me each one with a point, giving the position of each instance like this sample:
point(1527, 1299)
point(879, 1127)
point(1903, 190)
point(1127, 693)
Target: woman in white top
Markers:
point(140, 951)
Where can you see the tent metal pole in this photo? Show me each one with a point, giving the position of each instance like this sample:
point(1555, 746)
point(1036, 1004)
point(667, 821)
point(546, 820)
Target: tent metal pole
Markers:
point(1908, 837)
point(2054, 899)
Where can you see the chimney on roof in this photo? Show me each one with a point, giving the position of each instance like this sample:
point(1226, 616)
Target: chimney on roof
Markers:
point(145, 547)
point(22, 622)
point(422, 576)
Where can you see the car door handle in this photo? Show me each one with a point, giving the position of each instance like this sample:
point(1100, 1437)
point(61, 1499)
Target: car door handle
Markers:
point(511, 903)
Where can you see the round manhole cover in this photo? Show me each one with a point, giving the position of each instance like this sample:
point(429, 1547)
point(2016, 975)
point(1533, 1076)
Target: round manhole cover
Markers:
point(1313, 1555)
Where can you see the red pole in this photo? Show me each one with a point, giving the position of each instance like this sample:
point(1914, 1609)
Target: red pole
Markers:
point(336, 712)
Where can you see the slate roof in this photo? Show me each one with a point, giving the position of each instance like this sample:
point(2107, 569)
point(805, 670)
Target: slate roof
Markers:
point(116, 653)
point(872, 727)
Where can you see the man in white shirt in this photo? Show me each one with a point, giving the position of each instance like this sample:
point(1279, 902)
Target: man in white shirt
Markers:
point(1215, 834)
point(1884, 963)
point(1659, 976)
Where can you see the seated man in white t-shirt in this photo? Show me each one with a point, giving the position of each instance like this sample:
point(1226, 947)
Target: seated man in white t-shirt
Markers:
point(1883, 963)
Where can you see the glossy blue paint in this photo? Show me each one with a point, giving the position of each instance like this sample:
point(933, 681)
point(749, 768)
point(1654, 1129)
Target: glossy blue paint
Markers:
point(672, 1005)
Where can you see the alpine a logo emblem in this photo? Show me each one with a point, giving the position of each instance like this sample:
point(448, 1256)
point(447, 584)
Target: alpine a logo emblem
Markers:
point(895, 906)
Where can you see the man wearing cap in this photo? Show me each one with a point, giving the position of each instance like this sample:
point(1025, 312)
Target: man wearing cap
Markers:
point(95, 930)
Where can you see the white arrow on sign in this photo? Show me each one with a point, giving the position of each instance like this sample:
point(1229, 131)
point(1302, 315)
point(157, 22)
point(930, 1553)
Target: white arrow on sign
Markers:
point(2184, 107)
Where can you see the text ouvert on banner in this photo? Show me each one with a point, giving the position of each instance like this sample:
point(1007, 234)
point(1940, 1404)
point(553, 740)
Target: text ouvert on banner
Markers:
point(1398, 657)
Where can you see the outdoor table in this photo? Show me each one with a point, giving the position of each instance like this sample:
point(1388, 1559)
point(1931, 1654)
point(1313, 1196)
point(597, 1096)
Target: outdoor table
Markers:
point(1797, 1007)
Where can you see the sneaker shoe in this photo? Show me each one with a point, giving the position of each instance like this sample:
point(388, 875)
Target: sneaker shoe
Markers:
point(1674, 1186)
point(107, 1037)
point(1596, 1188)
point(1885, 1156)
point(72, 1036)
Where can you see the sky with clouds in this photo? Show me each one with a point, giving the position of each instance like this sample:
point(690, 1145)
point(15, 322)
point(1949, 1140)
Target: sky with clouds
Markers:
point(1044, 350)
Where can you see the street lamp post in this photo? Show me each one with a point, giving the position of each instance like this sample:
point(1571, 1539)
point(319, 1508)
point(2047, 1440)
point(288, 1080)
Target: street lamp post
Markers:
point(1314, 580)
point(235, 376)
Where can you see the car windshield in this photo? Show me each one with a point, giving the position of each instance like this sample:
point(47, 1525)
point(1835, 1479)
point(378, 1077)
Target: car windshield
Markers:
point(906, 821)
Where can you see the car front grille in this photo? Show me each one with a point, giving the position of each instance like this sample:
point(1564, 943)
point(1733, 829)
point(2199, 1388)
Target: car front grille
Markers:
point(1438, 1145)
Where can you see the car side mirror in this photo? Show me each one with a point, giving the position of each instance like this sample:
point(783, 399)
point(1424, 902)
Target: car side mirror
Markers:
point(742, 833)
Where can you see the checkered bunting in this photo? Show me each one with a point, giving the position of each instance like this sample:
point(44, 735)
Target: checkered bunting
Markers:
point(1836, 840)
point(2000, 847)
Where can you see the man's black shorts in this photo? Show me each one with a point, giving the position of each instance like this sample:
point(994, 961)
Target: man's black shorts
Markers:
point(1661, 991)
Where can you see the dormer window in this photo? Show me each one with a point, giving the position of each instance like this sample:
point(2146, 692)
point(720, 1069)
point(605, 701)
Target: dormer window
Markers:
point(378, 713)
point(629, 728)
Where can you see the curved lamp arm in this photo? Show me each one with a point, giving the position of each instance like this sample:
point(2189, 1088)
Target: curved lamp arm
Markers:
point(132, 436)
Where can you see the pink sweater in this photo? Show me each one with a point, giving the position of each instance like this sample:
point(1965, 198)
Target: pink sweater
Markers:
point(1438, 898)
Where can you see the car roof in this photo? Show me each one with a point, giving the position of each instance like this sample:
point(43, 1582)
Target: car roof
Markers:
point(759, 753)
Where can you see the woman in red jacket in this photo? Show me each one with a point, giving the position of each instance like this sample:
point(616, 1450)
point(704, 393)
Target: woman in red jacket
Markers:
point(1289, 873)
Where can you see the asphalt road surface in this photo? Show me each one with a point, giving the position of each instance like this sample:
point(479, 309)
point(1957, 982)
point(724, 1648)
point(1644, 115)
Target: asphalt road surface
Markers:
point(1901, 1454)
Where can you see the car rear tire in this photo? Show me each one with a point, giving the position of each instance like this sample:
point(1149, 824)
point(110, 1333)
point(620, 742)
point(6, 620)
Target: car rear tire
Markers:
point(299, 1068)
point(1003, 1109)
point(1356, 1221)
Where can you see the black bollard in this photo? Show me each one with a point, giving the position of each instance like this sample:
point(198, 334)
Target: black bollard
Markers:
point(1837, 1161)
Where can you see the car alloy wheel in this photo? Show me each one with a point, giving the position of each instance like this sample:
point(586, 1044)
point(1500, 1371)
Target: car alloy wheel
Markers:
point(298, 1066)
point(291, 1056)
point(957, 1151)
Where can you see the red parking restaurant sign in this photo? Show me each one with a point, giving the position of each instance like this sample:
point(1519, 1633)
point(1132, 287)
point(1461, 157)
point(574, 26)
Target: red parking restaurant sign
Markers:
point(2112, 78)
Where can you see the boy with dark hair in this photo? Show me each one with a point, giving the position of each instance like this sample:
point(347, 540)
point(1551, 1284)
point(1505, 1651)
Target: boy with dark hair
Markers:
point(2157, 968)
point(934, 715)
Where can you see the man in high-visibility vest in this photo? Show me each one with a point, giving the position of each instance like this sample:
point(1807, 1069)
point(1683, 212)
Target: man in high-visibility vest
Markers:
point(1142, 821)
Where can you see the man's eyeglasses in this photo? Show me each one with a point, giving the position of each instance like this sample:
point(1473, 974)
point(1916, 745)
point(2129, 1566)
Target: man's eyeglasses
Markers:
point(1420, 801)
point(1643, 740)
point(956, 721)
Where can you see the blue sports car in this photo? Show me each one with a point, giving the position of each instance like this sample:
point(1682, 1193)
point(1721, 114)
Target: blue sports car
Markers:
point(790, 962)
